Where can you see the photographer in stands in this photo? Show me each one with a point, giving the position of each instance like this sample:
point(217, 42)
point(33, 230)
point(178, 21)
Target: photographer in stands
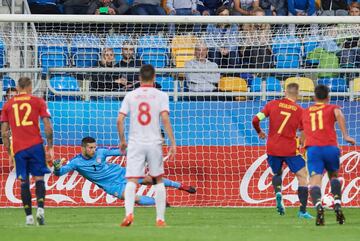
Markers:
point(108, 7)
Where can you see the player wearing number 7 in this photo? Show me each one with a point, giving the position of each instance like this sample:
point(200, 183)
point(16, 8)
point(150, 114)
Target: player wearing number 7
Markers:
point(282, 146)
point(146, 106)
point(322, 149)
point(21, 114)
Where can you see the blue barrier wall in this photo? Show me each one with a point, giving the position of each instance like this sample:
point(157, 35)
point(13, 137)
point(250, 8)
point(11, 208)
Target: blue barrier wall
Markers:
point(195, 123)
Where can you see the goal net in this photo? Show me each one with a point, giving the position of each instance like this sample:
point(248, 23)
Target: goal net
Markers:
point(218, 71)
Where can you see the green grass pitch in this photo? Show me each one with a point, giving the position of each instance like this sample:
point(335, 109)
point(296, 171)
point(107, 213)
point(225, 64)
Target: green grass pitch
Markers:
point(102, 224)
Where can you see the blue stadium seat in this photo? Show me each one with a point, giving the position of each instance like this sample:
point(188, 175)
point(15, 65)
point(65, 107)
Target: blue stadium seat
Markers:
point(255, 85)
point(335, 84)
point(2, 53)
point(287, 52)
point(116, 42)
point(52, 52)
point(85, 50)
point(153, 50)
point(166, 82)
point(64, 83)
point(8, 82)
point(273, 84)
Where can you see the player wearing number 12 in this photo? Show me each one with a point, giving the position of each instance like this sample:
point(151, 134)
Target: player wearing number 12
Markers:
point(322, 149)
point(21, 114)
point(146, 106)
point(282, 146)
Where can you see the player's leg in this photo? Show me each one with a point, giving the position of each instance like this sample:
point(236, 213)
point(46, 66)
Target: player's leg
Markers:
point(332, 164)
point(156, 170)
point(135, 169)
point(38, 168)
point(169, 183)
point(296, 165)
point(276, 166)
point(22, 174)
point(316, 168)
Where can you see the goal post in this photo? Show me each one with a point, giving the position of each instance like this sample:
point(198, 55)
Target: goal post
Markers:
point(84, 65)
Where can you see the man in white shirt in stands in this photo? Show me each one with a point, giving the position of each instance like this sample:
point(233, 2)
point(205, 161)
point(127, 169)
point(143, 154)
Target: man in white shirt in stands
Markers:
point(145, 105)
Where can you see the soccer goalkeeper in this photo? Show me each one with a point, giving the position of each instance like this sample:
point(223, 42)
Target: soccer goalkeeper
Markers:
point(92, 165)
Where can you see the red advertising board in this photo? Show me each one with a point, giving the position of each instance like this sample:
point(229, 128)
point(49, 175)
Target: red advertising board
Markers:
point(223, 175)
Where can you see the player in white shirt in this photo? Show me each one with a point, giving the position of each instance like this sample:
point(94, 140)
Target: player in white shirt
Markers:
point(145, 105)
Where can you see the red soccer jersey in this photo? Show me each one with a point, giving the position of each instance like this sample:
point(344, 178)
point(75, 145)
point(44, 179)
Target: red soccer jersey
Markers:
point(285, 119)
point(22, 112)
point(319, 125)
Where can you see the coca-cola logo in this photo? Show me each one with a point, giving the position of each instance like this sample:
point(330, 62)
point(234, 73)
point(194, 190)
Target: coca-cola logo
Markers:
point(249, 183)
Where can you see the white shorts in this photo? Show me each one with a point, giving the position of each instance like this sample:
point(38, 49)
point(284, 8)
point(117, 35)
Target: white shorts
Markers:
point(138, 155)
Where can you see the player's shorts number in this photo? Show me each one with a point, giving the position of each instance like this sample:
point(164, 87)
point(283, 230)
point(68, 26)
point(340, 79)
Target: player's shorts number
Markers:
point(286, 119)
point(144, 116)
point(17, 109)
point(319, 115)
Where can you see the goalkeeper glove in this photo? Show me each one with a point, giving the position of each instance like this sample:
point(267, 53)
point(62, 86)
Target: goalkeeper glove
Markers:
point(57, 164)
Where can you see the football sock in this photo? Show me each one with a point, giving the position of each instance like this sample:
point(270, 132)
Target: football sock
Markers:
point(40, 193)
point(276, 182)
point(169, 183)
point(130, 189)
point(315, 194)
point(303, 194)
point(160, 201)
point(26, 197)
point(145, 200)
point(336, 192)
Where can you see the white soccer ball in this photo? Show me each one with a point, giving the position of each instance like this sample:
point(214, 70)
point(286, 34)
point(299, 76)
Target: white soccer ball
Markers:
point(328, 201)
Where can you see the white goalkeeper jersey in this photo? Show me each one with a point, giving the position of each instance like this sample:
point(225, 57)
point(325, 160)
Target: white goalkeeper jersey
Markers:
point(144, 105)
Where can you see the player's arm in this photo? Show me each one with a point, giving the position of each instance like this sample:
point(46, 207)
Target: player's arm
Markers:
point(60, 170)
point(342, 125)
point(48, 129)
point(256, 124)
point(121, 130)
point(168, 129)
point(112, 152)
point(5, 134)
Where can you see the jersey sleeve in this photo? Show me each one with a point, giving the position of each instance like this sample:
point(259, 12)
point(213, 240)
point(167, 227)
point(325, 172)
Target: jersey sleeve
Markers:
point(164, 105)
point(44, 111)
point(4, 114)
point(70, 166)
point(125, 108)
point(267, 108)
point(105, 152)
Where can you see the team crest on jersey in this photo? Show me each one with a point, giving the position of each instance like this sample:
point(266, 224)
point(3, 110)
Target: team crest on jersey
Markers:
point(98, 160)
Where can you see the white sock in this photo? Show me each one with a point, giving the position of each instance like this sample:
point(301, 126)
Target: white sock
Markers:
point(160, 201)
point(130, 189)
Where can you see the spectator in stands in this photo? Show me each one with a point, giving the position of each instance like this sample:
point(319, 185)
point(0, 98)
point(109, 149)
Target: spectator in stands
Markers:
point(105, 81)
point(302, 8)
point(245, 7)
point(76, 6)
point(182, 7)
point(354, 9)
point(147, 7)
point(201, 82)
point(222, 40)
point(128, 81)
point(209, 7)
point(256, 52)
point(274, 7)
point(43, 6)
point(10, 92)
point(108, 7)
point(333, 8)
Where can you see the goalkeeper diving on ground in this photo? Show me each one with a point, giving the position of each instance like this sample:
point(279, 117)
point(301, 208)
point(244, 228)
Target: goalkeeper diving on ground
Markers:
point(91, 164)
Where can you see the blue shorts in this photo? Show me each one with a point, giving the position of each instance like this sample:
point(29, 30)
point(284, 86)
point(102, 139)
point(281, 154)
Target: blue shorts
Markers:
point(295, 163)
point(31, 161)
point(320, 158)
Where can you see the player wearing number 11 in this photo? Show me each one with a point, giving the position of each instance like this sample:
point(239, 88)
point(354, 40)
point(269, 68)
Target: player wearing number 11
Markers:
point(21, 114)
point(146, 105)
point(285, 119)
point(322, 149)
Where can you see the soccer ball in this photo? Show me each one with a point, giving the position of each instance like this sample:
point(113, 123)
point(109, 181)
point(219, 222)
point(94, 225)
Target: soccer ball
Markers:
point(328, 201)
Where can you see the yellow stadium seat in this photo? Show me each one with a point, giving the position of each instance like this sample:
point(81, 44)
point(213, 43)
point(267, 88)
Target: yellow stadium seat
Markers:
point(305, 85)
point(183, 49)
point(234, 84)
point(357, 88)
